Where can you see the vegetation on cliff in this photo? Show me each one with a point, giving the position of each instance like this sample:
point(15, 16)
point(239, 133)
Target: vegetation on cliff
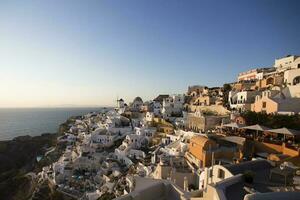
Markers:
point(272, 120)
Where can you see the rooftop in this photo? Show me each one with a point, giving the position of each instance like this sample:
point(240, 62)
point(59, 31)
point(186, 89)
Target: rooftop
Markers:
point(262, 181)
point(255, 166)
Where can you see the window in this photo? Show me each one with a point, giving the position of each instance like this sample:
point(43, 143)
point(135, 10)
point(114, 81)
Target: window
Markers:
point(296, 80)
point(270, 81)
point(264, 105)
point(221, 174)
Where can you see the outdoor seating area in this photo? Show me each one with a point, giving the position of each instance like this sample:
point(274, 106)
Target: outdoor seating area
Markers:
point(282, 137)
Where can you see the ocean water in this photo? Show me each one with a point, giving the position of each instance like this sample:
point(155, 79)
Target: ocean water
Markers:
point(35, 121)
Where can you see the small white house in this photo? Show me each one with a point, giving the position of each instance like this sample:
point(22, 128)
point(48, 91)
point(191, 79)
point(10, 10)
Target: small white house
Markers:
point(145, 131)
point(102, 138)
point(172, 105)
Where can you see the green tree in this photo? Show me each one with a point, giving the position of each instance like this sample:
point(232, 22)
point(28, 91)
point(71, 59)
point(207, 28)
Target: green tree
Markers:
point(272, 120)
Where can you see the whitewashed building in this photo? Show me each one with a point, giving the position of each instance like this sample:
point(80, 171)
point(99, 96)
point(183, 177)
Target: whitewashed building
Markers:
point(102, 138)
point(242, 100)
point(172, 105)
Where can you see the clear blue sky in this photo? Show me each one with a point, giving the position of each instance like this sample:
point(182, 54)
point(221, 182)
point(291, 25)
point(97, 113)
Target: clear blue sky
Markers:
point(56, 53)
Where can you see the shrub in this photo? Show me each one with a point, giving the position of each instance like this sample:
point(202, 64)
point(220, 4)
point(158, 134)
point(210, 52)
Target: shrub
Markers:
point(272, 120)
point(249, 176)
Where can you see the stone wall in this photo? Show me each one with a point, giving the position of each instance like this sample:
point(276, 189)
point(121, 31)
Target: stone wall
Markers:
point(217, 109)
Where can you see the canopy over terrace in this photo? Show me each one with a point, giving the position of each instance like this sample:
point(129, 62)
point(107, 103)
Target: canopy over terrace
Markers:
point(256, 128)
point(234, 126)
point(285, 132)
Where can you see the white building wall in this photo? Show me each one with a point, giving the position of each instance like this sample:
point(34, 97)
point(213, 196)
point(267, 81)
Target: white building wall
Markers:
point(286, 63)
point(290, 75)
point(172, 104)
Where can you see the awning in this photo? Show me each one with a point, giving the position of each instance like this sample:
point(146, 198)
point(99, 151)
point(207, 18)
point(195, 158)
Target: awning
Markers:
point(285, 131)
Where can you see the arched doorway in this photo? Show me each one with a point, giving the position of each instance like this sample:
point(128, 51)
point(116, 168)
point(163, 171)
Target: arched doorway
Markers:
point(270, 81)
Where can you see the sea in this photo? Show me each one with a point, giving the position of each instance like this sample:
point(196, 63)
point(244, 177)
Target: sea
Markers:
point(35, 121)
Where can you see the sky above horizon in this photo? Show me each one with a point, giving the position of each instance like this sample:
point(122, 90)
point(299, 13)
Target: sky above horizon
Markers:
point(89, 53)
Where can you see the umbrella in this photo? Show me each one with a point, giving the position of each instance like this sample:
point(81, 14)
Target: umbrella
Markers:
point(257, 128)
point(233, 125)
point(285, 131)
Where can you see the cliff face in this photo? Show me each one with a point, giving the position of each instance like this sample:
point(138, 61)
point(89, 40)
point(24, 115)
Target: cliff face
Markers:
point(21, 152)
point(18, 157)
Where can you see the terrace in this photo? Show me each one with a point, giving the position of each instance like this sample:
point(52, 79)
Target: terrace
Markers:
point(282, 140)
point(260, 176)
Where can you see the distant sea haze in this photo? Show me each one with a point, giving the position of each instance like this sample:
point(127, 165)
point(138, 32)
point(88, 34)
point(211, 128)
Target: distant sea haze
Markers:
point(35, 121)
